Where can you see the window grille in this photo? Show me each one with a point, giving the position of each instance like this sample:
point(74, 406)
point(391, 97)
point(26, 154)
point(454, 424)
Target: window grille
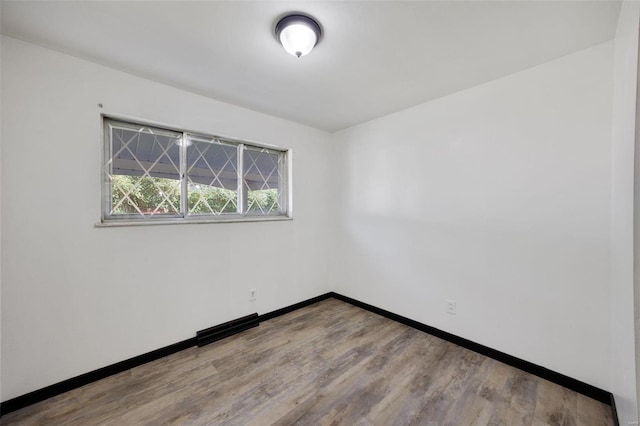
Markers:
point(155, 174)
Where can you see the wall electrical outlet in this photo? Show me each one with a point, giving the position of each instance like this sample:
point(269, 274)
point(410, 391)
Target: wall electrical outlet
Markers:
point(451, 307)
point(252, 294)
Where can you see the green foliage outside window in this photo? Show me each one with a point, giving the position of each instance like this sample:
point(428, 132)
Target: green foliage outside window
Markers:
point(134, 194)
point(153, 195)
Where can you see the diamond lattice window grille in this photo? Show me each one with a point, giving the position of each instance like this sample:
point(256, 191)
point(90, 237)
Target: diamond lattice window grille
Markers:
point(144, 172)
point(212, 173)
point(263, 178)
point(151, 172)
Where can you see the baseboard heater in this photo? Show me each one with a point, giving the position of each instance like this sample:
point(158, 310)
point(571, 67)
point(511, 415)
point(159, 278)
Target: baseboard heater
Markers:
point(217, 332)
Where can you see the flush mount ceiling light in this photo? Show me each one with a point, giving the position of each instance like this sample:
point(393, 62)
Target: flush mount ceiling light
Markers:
point(298, 34)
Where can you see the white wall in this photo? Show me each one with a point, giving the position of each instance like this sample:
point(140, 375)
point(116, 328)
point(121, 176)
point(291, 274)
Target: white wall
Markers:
point(77, 297)
point(623, 380)
point(496, 197)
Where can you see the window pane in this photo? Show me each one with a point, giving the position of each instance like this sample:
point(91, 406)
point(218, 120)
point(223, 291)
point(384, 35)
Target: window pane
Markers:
point(263, 179)
point(144, 172)
point(212, 173)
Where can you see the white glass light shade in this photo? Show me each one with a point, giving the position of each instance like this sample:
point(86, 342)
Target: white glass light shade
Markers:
point(298, 34)
point(298, 39)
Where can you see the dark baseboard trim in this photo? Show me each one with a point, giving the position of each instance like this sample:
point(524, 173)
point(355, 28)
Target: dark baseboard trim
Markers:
point(296, 306)
point(537, 370)
point(614, 411)
point(92, 376)
point(30, 398)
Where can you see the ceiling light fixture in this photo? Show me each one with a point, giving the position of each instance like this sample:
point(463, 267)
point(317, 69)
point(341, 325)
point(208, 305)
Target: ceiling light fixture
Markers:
point(298, 34)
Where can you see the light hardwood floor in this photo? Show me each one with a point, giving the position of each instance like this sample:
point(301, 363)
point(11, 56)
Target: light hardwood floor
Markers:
point(327, 364)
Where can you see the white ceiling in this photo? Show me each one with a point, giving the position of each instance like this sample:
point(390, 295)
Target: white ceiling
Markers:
point(375, 58)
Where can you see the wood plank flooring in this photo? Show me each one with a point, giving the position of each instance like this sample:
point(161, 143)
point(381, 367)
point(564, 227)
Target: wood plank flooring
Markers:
point(327, 364)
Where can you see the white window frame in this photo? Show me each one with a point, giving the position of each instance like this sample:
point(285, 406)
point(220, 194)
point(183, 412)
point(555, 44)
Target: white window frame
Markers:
point(243, 215)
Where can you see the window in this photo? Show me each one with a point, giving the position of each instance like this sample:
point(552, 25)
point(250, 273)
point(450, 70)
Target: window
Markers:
point(155, 174)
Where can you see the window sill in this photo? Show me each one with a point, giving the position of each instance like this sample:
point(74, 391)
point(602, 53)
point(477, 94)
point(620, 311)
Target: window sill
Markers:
point(174, 221)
